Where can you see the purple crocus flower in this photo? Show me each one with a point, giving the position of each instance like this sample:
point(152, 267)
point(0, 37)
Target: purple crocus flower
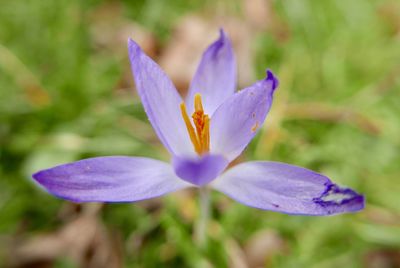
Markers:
point(221, 125)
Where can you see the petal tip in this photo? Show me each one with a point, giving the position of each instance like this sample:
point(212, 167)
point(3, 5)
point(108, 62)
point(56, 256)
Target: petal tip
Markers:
point(222, 34)
point(133, 47)
point(45, 179)
point(131, 42)
point(221, 44)
point(340, 200)
point(273, 78)
point(37, 176)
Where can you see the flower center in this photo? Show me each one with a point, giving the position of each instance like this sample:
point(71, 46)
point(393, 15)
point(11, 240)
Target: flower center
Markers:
point(200, 133)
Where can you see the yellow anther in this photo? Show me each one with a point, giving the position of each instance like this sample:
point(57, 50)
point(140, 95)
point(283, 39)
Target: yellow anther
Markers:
point(191, 131)
point(206, 134)
point(198, 105)
point(200, 133)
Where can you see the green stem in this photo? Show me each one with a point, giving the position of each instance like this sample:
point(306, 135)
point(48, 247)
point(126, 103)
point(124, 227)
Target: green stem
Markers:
point(201, 227)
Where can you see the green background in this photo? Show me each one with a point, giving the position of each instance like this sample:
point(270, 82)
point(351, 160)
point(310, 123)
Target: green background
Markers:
point(65, 95)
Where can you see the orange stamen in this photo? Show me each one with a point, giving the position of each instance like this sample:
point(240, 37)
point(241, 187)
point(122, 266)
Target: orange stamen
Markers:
point(191, 131)
point(206, 134)
point(200, 133)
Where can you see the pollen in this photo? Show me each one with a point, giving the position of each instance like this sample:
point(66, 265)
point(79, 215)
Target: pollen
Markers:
point(199, 127)
point(254, 127)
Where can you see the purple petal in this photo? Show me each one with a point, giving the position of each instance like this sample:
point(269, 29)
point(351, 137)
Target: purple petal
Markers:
point(286, 188)
point(215, 78)
point(160, 100)
point(110, 179)
point(237, 120)
point(199, 171)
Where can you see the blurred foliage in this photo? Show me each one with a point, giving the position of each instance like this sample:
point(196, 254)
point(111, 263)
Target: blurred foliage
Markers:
point(63, 97)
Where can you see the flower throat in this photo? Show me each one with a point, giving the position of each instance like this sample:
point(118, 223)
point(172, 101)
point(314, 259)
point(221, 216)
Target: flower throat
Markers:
point(200, 133)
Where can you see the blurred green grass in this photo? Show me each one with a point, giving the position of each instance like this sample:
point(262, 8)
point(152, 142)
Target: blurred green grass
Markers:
point(63, 98)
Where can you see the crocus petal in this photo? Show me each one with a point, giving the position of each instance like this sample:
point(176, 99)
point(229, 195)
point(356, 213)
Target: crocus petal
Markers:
point(160, 100)
point(201, 170)
point(215, 78)
point(237, 120)
point(286, 188)
point(110, 179)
